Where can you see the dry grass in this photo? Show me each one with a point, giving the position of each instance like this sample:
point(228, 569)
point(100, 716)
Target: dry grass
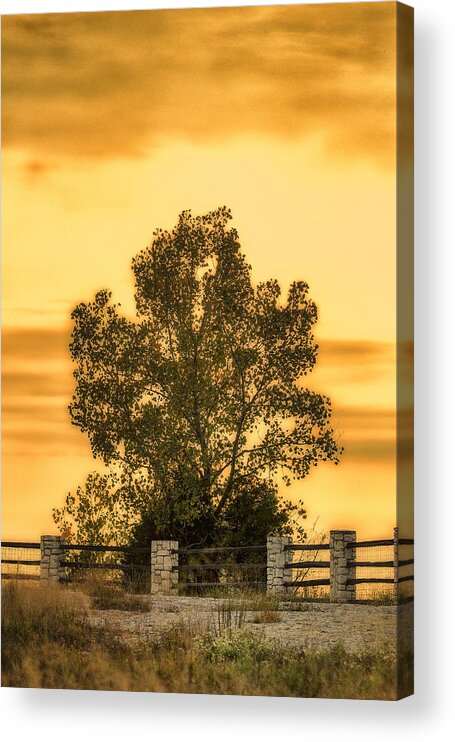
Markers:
point(228, 615)
point(245, 607)
point(104, 596)
point(48, 642)
point(265, 608)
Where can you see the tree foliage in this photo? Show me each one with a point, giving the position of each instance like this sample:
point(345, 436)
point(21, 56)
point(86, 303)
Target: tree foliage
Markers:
point(201, 399)
point(105, 510)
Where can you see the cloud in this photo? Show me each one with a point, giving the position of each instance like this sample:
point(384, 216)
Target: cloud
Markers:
point(370, 450)
point(58, 440)
point(31, 344)
point(355, 351)
point(116, 84)
point(371, 433)
point(37, 385)
point(37, 388)
point(355, 361)
point(32, 384)
point(35, 169)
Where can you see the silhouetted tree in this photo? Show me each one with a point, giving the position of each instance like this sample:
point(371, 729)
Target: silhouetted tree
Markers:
point(200, 400)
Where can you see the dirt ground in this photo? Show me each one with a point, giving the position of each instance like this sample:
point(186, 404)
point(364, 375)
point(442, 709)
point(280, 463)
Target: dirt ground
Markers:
point(316, 626)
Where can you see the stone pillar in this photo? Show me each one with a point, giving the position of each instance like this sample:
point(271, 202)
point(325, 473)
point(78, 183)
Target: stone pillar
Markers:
point(277, 556)
point(51, 555)
point(342, 551)
point(164, 568)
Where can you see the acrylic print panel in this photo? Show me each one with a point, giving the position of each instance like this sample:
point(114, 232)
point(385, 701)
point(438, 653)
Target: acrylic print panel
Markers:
point(207, 350)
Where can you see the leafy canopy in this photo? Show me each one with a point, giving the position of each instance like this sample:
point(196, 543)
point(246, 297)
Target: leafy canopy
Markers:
point(202, 396)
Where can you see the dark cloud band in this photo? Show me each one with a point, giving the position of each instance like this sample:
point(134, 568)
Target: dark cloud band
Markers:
point(115, 84)
point(37, 387)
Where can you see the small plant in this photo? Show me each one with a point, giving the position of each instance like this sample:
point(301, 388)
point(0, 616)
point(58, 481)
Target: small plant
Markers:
point(242, 648)
point(228, 615)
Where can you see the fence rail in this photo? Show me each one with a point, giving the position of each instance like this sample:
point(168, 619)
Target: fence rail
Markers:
point(306, 547)
point(36, 562)
point(87, 547)
point(218, 549)
point(382, 542)
point(307, 583)
point(391, 563)
point(227, 565)
point(103, 565)
point(221, 585)
point(310, 564)
point(386, 580)
point(363, 568)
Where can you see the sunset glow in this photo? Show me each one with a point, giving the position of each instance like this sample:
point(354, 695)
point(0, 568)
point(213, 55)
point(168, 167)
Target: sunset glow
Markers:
point(113, 123)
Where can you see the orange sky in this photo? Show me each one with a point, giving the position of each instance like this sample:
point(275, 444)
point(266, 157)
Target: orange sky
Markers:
point(113, 124)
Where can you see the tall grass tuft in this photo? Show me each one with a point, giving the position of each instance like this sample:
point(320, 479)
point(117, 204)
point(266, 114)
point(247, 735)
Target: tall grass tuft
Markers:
point(229, 615)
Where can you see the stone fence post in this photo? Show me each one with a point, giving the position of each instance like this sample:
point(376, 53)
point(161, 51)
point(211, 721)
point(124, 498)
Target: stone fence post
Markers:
point(342, 551)
point(164, 564)
point(51, 554)
point(277, 556)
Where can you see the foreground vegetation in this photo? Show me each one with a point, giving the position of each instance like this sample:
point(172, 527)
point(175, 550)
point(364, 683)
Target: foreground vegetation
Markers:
point(48, 642)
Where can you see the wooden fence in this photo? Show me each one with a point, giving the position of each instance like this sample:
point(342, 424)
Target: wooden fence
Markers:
point(222, 567)
point(340, 570)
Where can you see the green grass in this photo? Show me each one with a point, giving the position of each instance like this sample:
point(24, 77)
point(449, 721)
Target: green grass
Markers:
point(48, 642)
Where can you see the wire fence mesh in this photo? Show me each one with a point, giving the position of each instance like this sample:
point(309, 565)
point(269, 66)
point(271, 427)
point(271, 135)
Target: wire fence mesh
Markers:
point(21, 562)
point(372, 566)
point(124, 567)
point(203, 571)
point(302, 570)
point(383, 592)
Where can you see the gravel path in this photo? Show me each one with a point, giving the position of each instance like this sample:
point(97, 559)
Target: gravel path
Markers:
point(315, 626)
